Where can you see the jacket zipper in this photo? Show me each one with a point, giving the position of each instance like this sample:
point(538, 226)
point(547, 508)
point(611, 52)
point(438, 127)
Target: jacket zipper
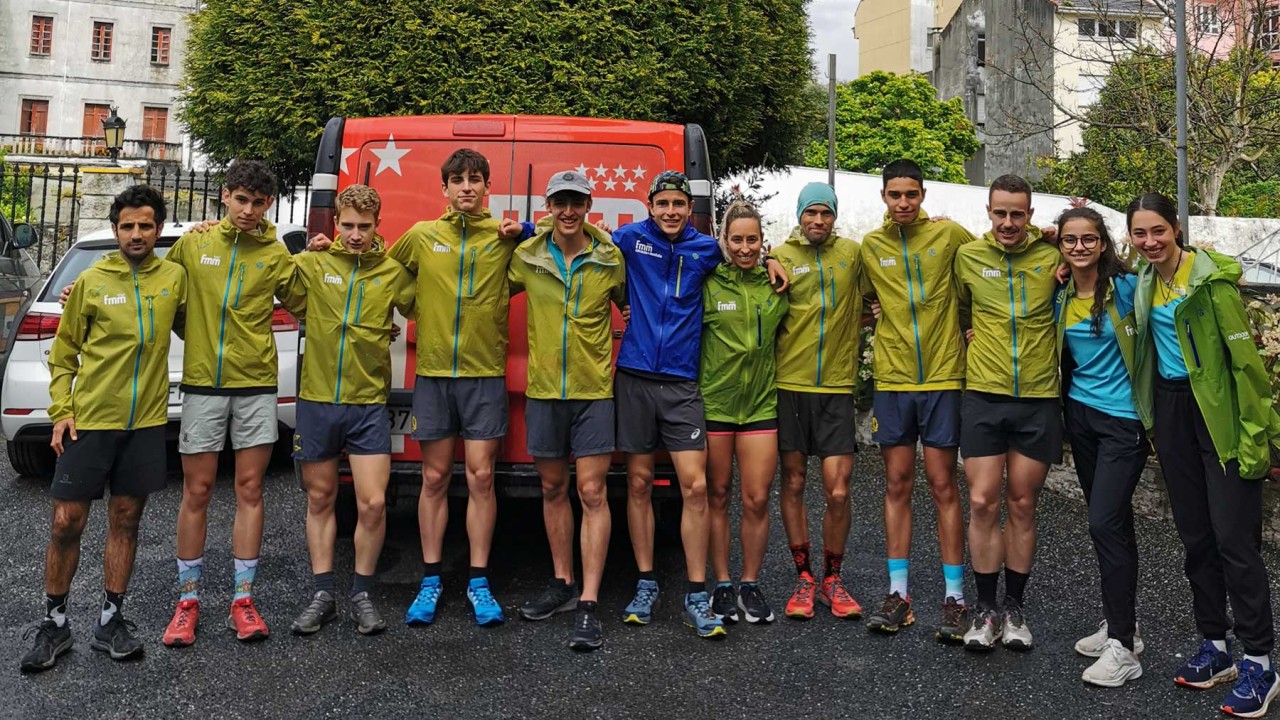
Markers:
point(1022, 280)
point(564, 336)
point(151, 315)
point(822, 315)
point(679, 275)
point(457, 316)
point(342, 341)
point(759, 328)
point(577, 301)
point(471, 275)
point(239, 287)
point(1191, 338)
point(920, 277)
point(1013, 323)
point(137, 358)
point(226, 296)
point(911, 300)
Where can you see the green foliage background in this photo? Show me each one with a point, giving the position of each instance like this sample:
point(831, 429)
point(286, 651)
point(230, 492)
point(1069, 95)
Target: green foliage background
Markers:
point(261, 78)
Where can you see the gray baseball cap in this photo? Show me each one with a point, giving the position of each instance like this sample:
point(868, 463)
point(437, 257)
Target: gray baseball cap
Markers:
point(568, 180)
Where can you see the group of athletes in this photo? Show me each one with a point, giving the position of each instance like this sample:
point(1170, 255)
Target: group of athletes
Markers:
point(732, 355)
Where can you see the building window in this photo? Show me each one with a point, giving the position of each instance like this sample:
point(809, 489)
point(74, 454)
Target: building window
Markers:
point(1086, 27)
point(35, 117)
point(1207, 20)
point(1269, 33)
point(101, 49)
point(1088, 89)
point(41, 35)
point(1099, 28)
point(160, 39)
point(94, 114)
point(982, 50)
point(155, 123)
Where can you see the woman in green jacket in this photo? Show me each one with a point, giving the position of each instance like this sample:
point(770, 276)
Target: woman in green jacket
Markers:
point(1213, 423)
point(741, 316)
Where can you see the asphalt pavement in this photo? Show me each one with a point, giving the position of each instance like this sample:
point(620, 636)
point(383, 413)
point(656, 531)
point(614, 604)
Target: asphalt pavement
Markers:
point(824, 668)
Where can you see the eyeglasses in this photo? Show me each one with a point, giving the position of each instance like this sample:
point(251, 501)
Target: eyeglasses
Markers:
point(1088, 241)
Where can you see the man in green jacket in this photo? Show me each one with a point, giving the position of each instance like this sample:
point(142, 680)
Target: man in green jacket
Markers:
point(109, 367)
point(352, 291)
point(1012, 416)
point(570, 272)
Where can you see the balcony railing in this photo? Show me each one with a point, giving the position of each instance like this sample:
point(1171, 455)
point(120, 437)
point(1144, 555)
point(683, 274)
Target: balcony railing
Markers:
point(87, 147)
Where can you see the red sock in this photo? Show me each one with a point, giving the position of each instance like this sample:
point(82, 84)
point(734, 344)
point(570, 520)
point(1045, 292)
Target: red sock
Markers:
point(831, 563)
point(800, 556)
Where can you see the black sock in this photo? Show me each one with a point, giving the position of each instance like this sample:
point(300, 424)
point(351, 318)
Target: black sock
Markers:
point(831, 563)
point(587, 605)
point(697, 587)
point(1015, 583)
point(430, 569)
point(322, 582)
point(986, 583)
point(360, 583)
point(1128, 644)
point(479, 572)
point(800, 556)
point(648, 575)
point(112, 604)
point(55, 603)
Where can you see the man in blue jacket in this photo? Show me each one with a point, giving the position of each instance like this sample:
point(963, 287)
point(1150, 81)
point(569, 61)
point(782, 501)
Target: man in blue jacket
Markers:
point(656, 386)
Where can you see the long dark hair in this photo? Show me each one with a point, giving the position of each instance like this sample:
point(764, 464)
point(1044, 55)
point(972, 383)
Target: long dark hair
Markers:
point(1163, 206)
point(1110, 264)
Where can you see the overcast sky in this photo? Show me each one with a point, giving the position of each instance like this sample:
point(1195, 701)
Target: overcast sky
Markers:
point(832, 23)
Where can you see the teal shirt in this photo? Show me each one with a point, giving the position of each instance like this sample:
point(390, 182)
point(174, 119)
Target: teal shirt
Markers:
point(1100, 378)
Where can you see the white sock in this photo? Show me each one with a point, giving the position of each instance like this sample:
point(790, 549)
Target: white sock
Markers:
point(109, 611)
point(1220, 644)
point(1263, 660)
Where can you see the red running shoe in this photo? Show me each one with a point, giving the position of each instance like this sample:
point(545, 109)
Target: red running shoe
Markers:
point(246, 621)
point(182, 628)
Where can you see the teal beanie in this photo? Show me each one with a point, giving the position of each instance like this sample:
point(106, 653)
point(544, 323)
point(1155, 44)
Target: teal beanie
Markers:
point(816, 193)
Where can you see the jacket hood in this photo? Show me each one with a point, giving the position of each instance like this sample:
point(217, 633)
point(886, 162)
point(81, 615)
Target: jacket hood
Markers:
point(1033, 236)
point(368, 258)
point(116, 263)
point(889, 225)
point(265, 232)
point(797, 238)
point(535, 250)
point(452, 215)
point(1209, 266)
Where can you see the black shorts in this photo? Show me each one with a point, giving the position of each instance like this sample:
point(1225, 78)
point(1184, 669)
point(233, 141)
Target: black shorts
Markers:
point(474, 408)
point(715, 427)
point(819, 424)
point(996, 424)
point(560, 428)
point(132, 462)
point(903, 417)
point(325, 430)
point(655, 413)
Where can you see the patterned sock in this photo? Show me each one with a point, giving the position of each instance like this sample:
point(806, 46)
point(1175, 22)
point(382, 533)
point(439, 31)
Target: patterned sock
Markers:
point(899, 569)
point(954, 577)
point(55, 609)
point(111, 604)
point(189, 572)
point(800, 556)
point(245, 571)
point(1015, 584)
point(831, 563)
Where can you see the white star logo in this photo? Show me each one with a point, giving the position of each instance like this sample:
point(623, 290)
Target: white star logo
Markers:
point(639, 172)
point(601, 170)
point(610, 184)
point(582, 169)
point(592, 183)
point(389, 157)
point(346, 154)
point(629, 185)
point(620, 171)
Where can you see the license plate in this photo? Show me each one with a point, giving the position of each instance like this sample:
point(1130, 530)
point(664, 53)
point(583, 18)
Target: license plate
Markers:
point(401, 420)
point(175, 394)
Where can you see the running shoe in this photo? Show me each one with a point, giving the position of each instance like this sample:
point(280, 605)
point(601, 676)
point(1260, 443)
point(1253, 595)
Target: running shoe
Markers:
point(640, 610)
point(487, 610)
point(50, 642)
point(955, 621)
point(753, 605)
point(1253, 692)
point(1116, 666)
point(985, 627)
point(559, 596)
point(586, 635)
point(834, 596)
point(800, 605)
point(1209, 667)
point(1017, 635)
point(423, 609)
point(116, 638)
point(366, 617)
point(181, 631)
point(1093, 645)
point(246, 621)
point(724, 603)
point(320, 610)
point(698, 615)
point(893, 615)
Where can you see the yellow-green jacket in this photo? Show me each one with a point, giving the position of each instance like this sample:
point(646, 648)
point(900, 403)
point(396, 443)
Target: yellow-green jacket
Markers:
point(818, 345)
point(233, 276)
point(910, 269)
point(349, 303)
point(1009, 294)
point(113, 341)
point(569, 315)
point(741, 315)
point(463, 295)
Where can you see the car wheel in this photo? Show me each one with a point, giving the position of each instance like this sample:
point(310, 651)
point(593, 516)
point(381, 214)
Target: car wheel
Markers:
point(31, 459)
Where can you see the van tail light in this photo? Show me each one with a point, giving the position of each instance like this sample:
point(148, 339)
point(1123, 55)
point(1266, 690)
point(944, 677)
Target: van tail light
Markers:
point(38, 326)
point(282, 321)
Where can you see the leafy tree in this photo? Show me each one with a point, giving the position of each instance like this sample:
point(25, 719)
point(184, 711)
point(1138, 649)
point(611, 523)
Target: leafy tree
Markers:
point(882, 117)
point(15, 186)
point(262, 78)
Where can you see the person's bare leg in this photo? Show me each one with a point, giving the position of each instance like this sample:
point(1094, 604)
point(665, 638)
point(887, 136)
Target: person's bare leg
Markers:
point(482, 502)
point(198, 473)
point(837, 471)
point(557, 514)
point(757, 464)
point(640, 509)
point(123, 514)
point(371, 473)
point(691, 472)
point(62, 555)
point(719, 481)
point(940, 469)
point(320, 480)
point(795, 516)
point(1026, 478)
point(246, 533)
point(900, 476)
point(433, 502)
point(596, 522)
point(985, 476)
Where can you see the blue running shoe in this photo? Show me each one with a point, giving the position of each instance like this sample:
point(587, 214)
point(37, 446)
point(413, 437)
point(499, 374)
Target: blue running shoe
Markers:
point(698, 615)
point(1253, 691)
point(640, 611)
point(423, 609)
point(488, 611)
point(1209, 667)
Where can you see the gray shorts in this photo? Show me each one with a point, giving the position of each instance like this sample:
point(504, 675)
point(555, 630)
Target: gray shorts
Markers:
point(655, 413)
point(206, 419)
point(474, 408)
point(560, 428)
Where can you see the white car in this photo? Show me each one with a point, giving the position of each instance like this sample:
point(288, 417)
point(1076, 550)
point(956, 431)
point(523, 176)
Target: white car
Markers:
point(24, 392)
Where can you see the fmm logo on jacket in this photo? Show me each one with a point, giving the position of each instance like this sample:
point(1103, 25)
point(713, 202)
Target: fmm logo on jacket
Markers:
point(113, 299)
point(645, 248)
point(888, 262)
point(991, 273)
point(800, 270)
point(439, 247)
point(332, 279)
point(210, 260)
point(726, 306)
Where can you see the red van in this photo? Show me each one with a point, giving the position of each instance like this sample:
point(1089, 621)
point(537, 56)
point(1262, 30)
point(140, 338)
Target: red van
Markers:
point(401, 156)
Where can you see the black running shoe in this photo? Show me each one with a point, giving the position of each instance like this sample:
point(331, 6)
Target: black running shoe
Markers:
point(116, 638)
point(50, 642)
point(955, 622)
point(557, 597)
point(586, 632)
point(724, 603)
point(752, 604)
point(893, 615)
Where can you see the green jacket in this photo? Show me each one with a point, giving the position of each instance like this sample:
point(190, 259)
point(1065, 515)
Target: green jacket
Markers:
point(349, 304)
point(741, 315)
point(463, 296)
point(569, 314)
point(113, 342)
point(1009, 296)
point(818, 347)
point(232, 277)
point(910, 269)
point(1227, 376)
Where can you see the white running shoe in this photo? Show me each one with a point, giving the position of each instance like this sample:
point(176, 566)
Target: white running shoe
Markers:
point(1017, 636)
point(1117, 665)
point(985, 627)
point(1094, 645)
